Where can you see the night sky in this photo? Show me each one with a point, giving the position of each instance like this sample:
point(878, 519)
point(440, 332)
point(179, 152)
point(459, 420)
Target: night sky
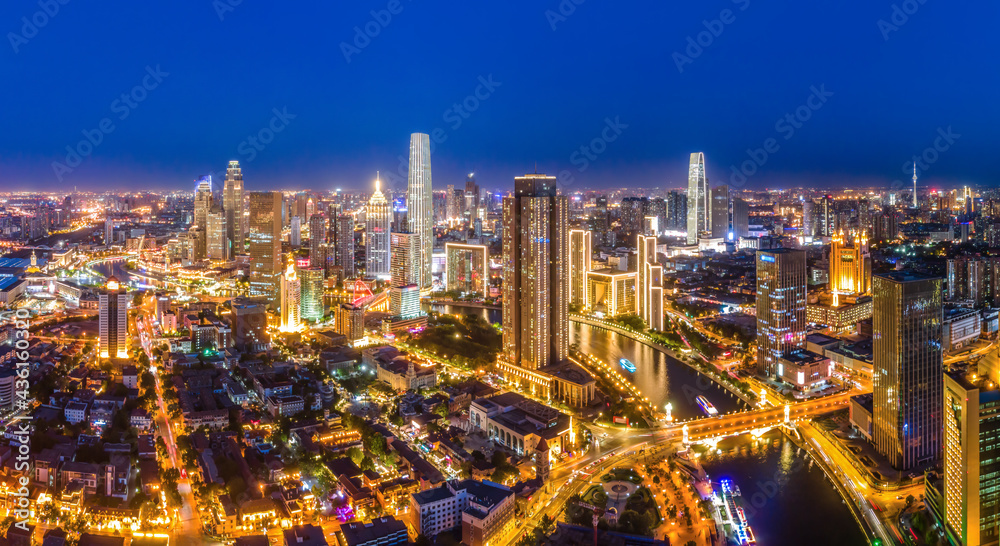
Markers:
point(876, 86)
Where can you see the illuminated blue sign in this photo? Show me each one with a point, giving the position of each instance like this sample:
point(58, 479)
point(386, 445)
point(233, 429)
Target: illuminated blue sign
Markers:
point(767, 258)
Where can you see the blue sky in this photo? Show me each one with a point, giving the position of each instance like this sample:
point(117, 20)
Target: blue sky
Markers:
point(534, 81)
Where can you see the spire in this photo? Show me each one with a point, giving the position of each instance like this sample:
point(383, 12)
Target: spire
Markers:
point(914, 184)
point(377, 181)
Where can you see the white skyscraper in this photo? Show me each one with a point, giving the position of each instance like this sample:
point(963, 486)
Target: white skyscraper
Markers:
point(699, 218)
point(378, 222)
point(420, 213)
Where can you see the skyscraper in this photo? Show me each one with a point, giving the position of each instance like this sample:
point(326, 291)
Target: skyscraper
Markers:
point(907, 368)
point(312, 293)
point(317, 240)
point(781, 306)
point(720, 212)
point(698, 212)
point(113, 318)
point(633, 213)
point(405, 262)
point(420, 214)
point(202, 204)
point(535, 278)
point(265, 244)
point(378, 218)
point(109, 231)
point(649, 284)
point(676, 211)
point(295, 232)
point(471, 197)
point(741, 219)
point(234, 205)
point(291, 300)
point(971, 458)
point(344, 244)
point(216, 246)
point(581, 250)
point(467, 268)
point(850, 266)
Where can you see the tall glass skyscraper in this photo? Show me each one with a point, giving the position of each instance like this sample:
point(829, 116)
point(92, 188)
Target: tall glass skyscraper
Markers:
point(699, 217)
point(265, 244)
point(232, 202)
point(378, 217)
point(312, 292)
point(781, 306)
point(202, 204)
point(419, 200)
point(907, 379)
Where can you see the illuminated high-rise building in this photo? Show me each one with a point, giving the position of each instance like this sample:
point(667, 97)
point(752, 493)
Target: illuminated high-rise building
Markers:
point(378, 219)
point(699, 216)
point(317, 239)
point(312, 293)
point(265, 244)
point(343, 244)
point(581, 250)
point(649, 284)
point(419, 200)
point(781, 307)
point(216, 246)
point(113, 320)
point(235, 207)
point(202, 204)
point(535, 275)
point(291, 300)
point(720, 212)
point(109, 231)
point(741, 220)
point(971, 458)
point(405, 262)
point(295, 232)
point(907, 368)
point(466, 268)
point(850, 266)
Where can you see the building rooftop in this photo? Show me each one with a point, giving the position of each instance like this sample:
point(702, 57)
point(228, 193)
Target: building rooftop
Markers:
point(907, 276)
point(356, 532)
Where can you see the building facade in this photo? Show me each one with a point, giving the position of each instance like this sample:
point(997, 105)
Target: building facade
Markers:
point(467, 268)
point(419, 201)
point(581, 250)
point(378, 221)
point(113, 316)
point(698, 196)
point(235, 206)
point(781, 306)
point(265, 244)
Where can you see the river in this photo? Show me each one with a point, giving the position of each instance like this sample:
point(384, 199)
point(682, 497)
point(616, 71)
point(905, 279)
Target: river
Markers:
point(788, 499)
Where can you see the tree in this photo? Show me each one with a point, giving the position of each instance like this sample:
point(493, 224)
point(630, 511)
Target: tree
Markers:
point(442, 410)
point(368, 464)
point(546, 525)
point(356, 455)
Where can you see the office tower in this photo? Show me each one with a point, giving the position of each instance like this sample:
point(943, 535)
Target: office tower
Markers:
point(234, 205)
point(676, 211)
point(827, 216)
point(216, 246)
point(312, 292)
point(291, 300)
point(781, 306)
point(202, 204)
point(471, 197)
point(300, 205)
point(419, 201)
point(850, 265)
point(451, 205)
point(808, 219)
point(265, 244)
point(162, 306)
point(633, 212)
point(600, 222)
point(295, 236)
point(581, 250)
point(535, 282)
point(741, 219)
point(720, 212)
point(404, 301)
point(405, 262)
point(657, 208)
point(113, 315)
point(611, 292)
point(109, 231)
point(349, 321)
point(699, 216)
point(317, 240)
point(649, 284)
point(467, 268)
point(971, 458)
point(378, 217)
point(399, 213)
point(907, 367)
point(343, 242)
point(886, 226)
point(249, 325)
